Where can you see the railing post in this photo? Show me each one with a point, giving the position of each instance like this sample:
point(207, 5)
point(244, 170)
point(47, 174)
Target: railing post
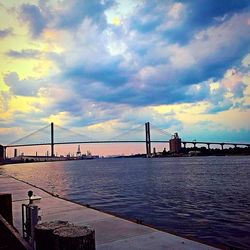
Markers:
point(6, 207)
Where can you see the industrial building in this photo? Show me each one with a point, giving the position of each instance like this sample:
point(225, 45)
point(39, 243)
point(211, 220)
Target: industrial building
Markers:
point(175, 144)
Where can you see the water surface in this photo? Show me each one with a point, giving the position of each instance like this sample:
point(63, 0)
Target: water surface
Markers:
point(207, 198)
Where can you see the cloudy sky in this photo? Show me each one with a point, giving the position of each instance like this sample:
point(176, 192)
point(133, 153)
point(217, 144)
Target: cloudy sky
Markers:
point(103, 67)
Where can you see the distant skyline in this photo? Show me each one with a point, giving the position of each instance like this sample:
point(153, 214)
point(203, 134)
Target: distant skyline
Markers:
point(104, 67)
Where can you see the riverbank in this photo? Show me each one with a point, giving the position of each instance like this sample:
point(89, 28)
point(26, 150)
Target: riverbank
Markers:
point(111, 232)
point(191, 153)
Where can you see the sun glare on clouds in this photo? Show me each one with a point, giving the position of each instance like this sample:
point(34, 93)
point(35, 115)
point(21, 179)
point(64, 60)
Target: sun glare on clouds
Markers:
point(116, 21)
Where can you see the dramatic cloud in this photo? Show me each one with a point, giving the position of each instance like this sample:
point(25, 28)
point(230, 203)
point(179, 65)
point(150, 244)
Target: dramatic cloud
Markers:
point(161, 68)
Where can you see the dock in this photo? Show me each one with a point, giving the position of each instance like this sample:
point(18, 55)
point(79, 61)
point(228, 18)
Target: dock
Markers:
point(111, 232)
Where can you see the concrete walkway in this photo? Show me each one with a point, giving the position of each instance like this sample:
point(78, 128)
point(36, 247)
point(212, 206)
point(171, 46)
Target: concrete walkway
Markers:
point(111, 232)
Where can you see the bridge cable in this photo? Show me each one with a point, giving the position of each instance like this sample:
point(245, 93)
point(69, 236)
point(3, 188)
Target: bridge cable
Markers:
point(75, 133)
point(161, 131)
point(127, 132)
point(29, 135)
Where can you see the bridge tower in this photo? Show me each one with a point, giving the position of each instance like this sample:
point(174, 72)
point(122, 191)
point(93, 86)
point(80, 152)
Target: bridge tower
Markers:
point(52, 139)
point(148, 141)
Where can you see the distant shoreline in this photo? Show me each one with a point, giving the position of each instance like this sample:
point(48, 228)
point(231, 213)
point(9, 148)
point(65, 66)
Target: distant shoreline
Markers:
point(10, 162)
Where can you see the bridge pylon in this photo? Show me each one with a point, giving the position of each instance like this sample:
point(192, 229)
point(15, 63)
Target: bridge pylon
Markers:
point(148, 141)
point(52, 139)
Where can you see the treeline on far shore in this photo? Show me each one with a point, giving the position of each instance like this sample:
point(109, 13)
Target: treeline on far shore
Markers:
point(196, 151)
point(203, 151)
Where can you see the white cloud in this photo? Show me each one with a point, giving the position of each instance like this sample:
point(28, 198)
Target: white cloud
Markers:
point(175, 15)
point(181, 57)
point(176, 10)
point(122, 9)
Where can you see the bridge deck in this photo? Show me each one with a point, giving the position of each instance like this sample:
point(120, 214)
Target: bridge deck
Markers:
point(111, 232)
point(124, 141)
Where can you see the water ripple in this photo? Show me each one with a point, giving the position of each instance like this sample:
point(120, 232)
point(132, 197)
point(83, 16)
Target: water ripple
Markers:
point(207, 198)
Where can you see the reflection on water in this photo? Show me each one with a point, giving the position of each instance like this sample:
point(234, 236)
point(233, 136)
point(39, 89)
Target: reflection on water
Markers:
point(203, 197)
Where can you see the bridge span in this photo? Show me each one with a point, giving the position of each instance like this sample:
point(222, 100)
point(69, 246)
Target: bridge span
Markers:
point(131, 141)
point(222, 144)
point(175, 143)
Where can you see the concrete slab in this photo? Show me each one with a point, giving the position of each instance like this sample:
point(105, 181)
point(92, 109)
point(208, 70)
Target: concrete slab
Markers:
point(19, 189)
point(77, 216)
point(156, 240)
point(114, 228)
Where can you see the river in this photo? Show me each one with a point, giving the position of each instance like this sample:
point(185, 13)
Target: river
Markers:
point(207, 198)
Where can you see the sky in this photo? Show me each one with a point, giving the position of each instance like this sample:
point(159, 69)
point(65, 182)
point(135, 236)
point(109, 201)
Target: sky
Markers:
point(101, 68)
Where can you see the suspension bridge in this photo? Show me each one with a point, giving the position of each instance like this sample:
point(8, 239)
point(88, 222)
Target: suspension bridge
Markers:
point(53, 134)
point(147, 133)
